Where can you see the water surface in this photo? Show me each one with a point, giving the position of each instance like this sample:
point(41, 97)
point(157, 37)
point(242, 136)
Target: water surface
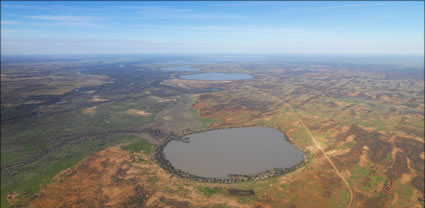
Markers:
point(206, 90)
point(217, 76)
point(218, 153)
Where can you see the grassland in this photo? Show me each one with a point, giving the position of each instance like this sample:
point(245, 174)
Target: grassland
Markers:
point(357, 124)
point(369, 122)
point(139, 146)
point(55, 131)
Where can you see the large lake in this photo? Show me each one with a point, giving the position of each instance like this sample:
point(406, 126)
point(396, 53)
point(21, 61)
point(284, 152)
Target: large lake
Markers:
point(218, 153)
point(217, 76)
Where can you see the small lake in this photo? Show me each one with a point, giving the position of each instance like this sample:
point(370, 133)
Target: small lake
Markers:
point(180, 69)
point(217, 76)
point(218, 153)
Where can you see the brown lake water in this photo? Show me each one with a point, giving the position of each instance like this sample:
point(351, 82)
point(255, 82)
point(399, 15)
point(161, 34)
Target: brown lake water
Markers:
point(218, 153)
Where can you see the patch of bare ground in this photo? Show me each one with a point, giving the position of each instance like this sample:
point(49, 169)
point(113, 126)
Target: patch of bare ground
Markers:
point(406, 178)
point(167, 118)
point(161, 100)
point(138, 112)
point(363, 157)
point(3, 77)
point(395, 199)
point(33, 102)
point(96, 98)
point(11, 197)
point(90, 110)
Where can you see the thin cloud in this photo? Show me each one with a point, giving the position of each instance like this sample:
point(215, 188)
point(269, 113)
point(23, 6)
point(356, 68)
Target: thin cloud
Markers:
point(343, 6)
point(8, 22)
point(156, 9)
point(69, 24)
point(67, 21)
point(5, 31)
point(63, 18)
point(160, 12)
point(236, 29)
point(340, 6)
point(32, 7)
point(50, 7)
point(243, 4)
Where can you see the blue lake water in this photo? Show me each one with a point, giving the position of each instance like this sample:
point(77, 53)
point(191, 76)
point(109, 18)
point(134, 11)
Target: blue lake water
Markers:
point(217, 76)
point(206, 90)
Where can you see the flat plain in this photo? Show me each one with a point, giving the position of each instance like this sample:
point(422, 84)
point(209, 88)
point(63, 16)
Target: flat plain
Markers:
point(82, 132)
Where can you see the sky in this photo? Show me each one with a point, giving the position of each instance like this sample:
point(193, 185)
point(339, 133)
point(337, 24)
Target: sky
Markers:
point(227, 27)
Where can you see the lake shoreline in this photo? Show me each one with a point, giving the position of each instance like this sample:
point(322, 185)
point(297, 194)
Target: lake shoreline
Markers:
point(160, 157)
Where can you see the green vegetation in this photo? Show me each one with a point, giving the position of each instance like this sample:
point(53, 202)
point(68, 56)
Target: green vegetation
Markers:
point(358, 176)
point(45, 168)
point(359, 172)
point(182, 189)
point(154, 179)
point(389, 158)
point(138, 146)
point(164, 201)
point(206, 121)
point(283, 186)
point(301, 137)
point(375, 180)
point(207, 191)
point(405, 191)
point(345, 195)
point(347, 145)
point(380, 112)
point(246, 199)
point(309, 160)
point(340, 198)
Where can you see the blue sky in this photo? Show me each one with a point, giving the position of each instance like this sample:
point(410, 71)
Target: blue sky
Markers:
point(108, 27)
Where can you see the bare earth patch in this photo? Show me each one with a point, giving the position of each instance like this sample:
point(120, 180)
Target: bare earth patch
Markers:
point(161, 100)
point(33, 102)
point(98, 99)
point(167, 118)
point(363, 156)
point(90, 110)
point(138, 112)
point(405, 178)
point(11, 198)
